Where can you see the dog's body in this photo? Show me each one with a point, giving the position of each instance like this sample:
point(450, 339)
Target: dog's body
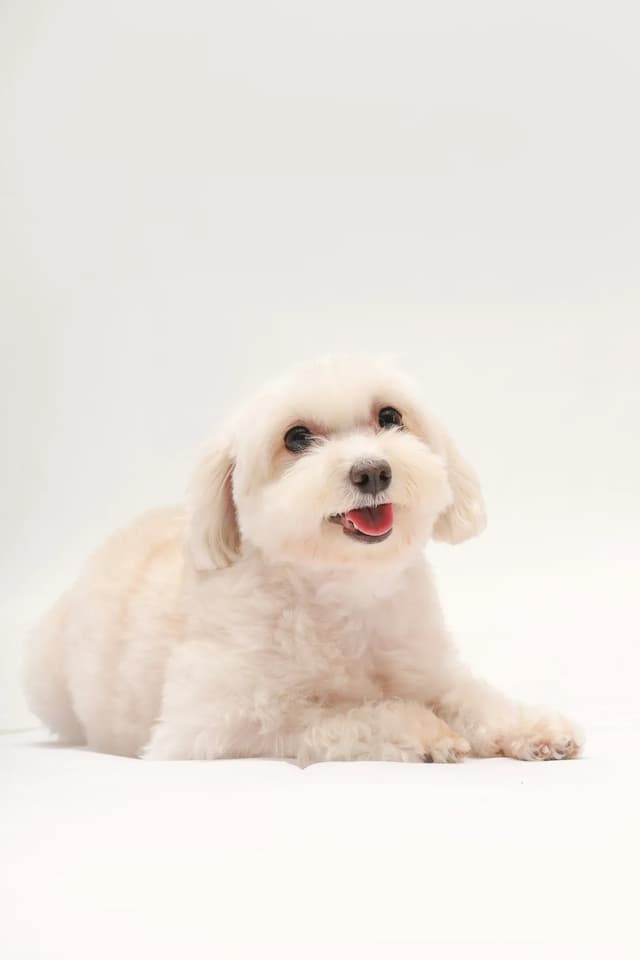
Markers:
point(300, 620)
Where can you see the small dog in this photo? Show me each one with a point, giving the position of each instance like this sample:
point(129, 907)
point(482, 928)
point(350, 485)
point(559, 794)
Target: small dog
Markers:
point(289, 611)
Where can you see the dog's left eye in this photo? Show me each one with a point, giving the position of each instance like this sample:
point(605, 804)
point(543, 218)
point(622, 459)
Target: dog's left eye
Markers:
point(297, 439)
point(390, 417)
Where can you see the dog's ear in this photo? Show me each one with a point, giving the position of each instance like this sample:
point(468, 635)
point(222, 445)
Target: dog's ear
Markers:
point(213, 538)
point(465, 517)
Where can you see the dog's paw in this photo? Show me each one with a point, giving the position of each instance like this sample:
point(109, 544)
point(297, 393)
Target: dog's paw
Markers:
point(438, 742)
point(415, 734)
point(447, 749)
point(545, 738)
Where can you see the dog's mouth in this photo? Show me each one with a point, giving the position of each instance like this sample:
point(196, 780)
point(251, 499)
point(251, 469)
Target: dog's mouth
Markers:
point(368, 524)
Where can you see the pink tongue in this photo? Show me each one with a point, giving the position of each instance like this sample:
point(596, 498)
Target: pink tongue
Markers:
point(372, 520)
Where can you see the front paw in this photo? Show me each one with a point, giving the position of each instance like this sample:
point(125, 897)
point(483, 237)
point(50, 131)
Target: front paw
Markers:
point(404, 731)
point(548, 737)
point(447, 749)
point(436, 741)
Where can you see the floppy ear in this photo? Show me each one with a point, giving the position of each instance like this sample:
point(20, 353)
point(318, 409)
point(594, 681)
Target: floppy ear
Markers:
point(213, 538)
point(465, 517)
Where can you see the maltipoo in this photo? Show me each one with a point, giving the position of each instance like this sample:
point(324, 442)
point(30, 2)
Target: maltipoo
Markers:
point(289, 611)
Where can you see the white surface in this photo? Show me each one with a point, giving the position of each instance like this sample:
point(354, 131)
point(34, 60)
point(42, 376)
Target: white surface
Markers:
point(105, 857)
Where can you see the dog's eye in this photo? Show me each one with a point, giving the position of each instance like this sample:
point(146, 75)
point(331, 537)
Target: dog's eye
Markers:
point(297, 439)
point(390, 417)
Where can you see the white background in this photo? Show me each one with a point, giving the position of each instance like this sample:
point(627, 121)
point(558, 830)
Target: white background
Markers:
point(194, 195)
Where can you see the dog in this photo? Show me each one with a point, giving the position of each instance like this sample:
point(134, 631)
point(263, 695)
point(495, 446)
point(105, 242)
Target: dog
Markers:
point(288, 611)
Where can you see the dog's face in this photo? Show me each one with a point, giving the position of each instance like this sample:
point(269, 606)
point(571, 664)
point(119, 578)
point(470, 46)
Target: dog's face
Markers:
point(336, 464)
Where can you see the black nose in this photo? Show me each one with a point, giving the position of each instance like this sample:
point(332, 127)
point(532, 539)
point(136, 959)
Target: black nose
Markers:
point(370, 476)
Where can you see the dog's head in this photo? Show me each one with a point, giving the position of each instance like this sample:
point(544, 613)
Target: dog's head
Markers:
point(335, 464)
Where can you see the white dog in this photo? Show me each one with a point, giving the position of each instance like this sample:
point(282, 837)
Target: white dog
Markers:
point(289, 612)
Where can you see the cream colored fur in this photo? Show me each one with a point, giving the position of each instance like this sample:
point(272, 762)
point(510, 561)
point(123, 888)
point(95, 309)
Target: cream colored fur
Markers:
point(250, 625)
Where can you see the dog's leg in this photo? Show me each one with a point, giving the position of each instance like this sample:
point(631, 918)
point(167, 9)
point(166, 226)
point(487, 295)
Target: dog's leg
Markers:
point(385, 730)
point(496, 726)
point(212, 708)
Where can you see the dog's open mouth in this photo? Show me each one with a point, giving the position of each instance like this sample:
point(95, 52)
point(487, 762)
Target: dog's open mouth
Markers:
point(369, 524)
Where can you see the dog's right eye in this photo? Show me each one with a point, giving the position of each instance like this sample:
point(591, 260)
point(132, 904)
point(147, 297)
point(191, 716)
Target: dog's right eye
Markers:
point(297, 439)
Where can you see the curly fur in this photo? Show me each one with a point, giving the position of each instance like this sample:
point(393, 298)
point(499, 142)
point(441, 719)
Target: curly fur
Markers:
point(250, 625)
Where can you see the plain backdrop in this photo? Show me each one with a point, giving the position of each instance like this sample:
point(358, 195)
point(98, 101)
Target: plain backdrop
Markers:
point(194, 195)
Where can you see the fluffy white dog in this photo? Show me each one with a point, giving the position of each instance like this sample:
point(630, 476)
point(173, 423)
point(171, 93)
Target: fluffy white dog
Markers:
point(289, 611)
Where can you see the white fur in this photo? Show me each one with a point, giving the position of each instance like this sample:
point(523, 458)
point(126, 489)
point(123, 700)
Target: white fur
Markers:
point(251, 625)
